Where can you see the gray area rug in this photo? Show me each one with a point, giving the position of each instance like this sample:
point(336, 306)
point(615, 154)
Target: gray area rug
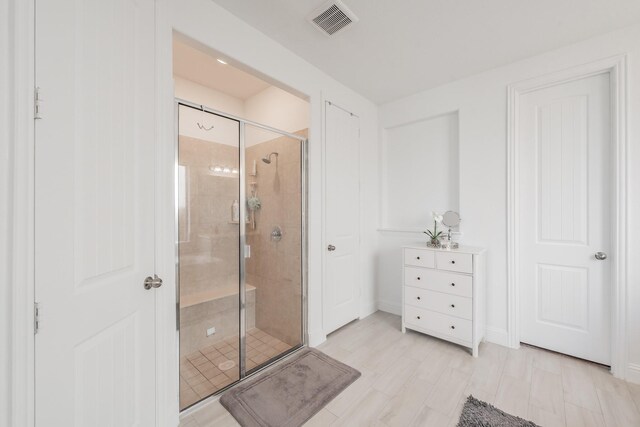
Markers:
point(477, 413)
point(291, 393)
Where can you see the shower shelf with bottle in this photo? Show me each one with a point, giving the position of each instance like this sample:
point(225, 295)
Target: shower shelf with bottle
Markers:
point(235, 214)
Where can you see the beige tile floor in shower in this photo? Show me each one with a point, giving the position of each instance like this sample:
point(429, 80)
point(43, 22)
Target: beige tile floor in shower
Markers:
point(214, 367)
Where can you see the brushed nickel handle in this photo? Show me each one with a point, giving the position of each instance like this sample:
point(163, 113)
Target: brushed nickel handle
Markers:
point(152, 282)
point(331, 248)
point(600, 256)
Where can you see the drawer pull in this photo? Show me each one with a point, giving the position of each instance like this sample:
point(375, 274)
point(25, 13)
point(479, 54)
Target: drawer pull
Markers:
point(417, 257)
point(418, 317)
point(453, 284)
point(418, 277)
point(453, 306)
point(418, 297)
point(453, 261)
point(453, 327)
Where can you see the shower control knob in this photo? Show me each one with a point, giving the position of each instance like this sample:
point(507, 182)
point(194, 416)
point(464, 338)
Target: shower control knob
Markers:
point(331, 248)
point(152, 282)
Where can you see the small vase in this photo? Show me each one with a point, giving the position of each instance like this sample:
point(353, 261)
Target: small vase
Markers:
point(433, 243)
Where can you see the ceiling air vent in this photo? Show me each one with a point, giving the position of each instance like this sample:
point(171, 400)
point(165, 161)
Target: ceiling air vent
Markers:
point(332, 17)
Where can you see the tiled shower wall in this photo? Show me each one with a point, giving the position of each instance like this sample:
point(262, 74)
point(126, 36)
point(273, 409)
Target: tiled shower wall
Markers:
point(209, 246)
point(209, 242)
point(208, 239)
point(275, 266)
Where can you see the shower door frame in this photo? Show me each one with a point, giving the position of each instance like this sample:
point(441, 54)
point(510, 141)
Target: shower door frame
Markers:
point(242, 240)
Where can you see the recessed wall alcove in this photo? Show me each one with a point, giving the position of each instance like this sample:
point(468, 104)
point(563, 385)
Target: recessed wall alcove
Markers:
point(420, 163)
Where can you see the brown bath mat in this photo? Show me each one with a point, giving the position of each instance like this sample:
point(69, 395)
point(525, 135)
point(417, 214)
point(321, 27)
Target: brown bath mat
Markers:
point(477, 413)
point(291, 393)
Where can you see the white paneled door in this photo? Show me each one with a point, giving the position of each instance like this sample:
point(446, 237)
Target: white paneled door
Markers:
point(94, 198)
point(564, 203)
point(341, 283)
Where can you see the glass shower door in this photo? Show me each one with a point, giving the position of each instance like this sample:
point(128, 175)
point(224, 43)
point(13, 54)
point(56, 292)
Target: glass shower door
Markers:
point(240, 206)
point(208, 216)
point(274, 234)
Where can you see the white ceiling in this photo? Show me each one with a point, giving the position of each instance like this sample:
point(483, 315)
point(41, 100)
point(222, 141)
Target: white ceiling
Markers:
point(400, 47)
point(203, 68)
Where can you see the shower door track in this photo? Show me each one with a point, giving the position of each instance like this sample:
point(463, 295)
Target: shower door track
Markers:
point(242, 291)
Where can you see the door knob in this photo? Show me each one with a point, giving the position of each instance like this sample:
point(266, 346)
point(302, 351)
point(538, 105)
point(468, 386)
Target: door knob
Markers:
point(331, 248)
point(601, 256)
point(152, 282)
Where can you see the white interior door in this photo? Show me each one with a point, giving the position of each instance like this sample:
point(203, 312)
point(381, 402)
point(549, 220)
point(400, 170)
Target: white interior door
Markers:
point(564, 175)
point(342, 189)
point(94, 198)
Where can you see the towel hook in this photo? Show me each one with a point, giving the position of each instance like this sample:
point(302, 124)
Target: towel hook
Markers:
point(201, 126)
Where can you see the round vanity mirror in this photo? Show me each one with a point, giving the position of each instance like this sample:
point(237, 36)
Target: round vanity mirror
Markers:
point(451, 219)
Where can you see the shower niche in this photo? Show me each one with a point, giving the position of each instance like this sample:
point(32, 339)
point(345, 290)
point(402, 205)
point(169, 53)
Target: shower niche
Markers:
point(240, 290)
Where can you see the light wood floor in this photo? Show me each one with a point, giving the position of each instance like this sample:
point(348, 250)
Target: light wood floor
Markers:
point(414, 380)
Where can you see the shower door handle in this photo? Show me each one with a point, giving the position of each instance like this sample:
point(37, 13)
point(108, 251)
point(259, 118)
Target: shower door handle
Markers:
point(152, 282)
point(331, 248)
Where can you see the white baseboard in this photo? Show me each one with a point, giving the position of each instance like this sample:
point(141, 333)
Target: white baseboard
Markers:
point(633, 373)
point(367, 308)
point(496, 336)
point(390, 307)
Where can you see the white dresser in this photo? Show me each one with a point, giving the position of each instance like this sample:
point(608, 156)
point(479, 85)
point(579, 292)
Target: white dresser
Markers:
point(443, 293)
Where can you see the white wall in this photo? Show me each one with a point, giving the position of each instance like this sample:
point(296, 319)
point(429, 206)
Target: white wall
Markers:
point(16, 210)
point(194, 92)
point(482, 104)
point(279, 109)
point(419, 158)
point(213, 26)
point(5, 224)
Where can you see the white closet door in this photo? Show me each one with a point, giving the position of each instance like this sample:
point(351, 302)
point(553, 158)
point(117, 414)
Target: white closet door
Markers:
point(94, 198)
point(564, 170)
point(342, 283)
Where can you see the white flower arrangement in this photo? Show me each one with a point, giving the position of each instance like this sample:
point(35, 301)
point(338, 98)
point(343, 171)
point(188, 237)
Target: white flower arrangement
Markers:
point(435, 234)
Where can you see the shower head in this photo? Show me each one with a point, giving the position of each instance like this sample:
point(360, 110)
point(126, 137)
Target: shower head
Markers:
point(267, 159)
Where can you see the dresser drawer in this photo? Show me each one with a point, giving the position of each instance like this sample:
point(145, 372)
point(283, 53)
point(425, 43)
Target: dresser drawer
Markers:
point(455, 327)
point(440, 281)
point(453, 261)
point(452, 305)
point(420, 258)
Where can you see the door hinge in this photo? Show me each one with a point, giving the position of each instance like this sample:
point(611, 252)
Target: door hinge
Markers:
point(36, 317)
point(37, 108)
